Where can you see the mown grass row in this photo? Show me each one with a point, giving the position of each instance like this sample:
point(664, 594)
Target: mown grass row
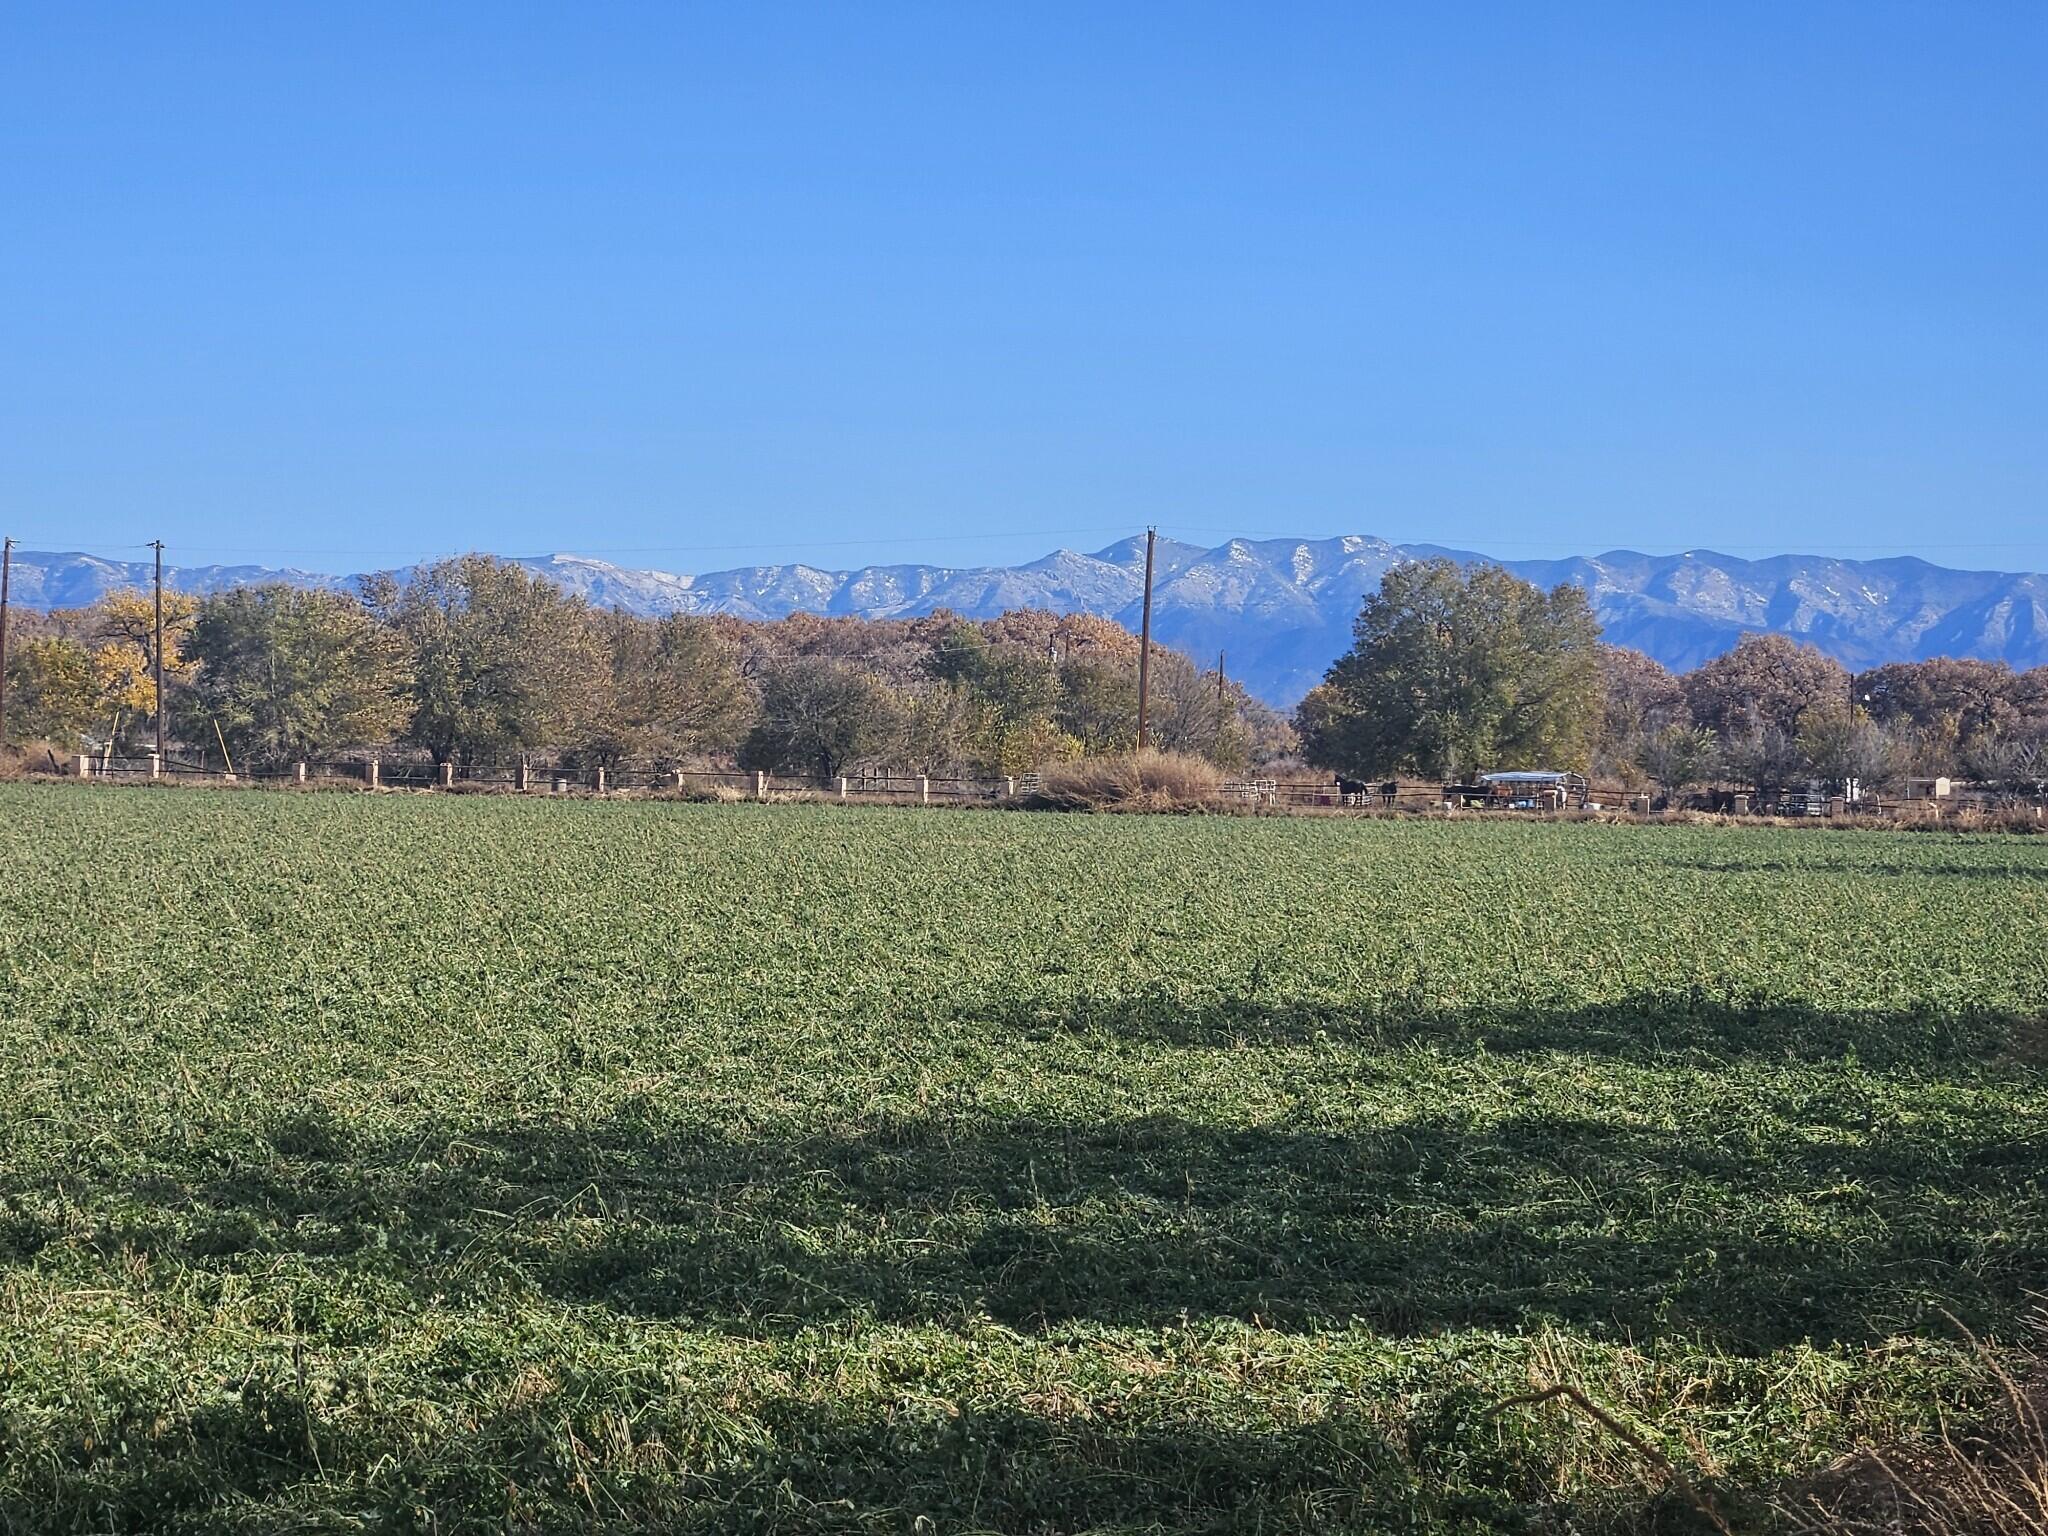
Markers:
point(389, 1163)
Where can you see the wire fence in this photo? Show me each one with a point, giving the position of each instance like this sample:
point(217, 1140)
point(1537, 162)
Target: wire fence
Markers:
point(417, 773)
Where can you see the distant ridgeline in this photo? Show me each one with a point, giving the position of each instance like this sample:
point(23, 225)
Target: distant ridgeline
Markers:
point(1280, 610)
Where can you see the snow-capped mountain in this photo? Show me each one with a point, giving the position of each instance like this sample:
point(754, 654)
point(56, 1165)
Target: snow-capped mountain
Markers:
point(1281, 609)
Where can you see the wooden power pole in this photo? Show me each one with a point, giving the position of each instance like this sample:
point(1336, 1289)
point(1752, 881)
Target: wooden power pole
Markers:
point(6, 576)
point(156, 655)
point(1145, 645)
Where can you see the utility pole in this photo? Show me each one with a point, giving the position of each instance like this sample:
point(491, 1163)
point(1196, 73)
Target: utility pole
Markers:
point(1222, 708)
point(156, 655)
point(1145, 643)
point(6, 576)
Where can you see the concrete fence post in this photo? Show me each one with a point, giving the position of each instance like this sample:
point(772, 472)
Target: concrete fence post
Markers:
point(298, 773)
point(1838, 807)
point(924, 790)
point(1009, 789)
point(447, 775)
point(156, 766)
point(1740, 804)
point(675, 779)
point(760, 785)
point(84, 766)
point(597, 780)
point(561, 786)
point(841, 782)
point(372, 773)
point(522, 778)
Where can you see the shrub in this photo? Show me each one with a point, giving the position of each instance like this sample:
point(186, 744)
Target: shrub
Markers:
point(1131, 781)
point(22, 759)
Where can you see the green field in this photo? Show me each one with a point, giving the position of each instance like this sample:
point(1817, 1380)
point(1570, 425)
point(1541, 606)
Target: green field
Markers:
point(464, 1163)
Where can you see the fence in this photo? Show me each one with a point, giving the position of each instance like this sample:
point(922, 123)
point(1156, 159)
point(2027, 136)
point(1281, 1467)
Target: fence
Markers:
point(407, 772)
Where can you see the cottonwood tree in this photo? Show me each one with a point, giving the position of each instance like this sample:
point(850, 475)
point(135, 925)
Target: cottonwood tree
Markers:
point(1766, 681)
point(1453, 669)
point(670, 688)
point(53, 693)
point(501, 659)
point(286, 674)
point(818, 716)
point(1640, 702)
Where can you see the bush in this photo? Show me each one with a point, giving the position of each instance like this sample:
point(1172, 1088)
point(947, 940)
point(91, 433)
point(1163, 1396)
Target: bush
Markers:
point(32, 757)
point(1131, 781)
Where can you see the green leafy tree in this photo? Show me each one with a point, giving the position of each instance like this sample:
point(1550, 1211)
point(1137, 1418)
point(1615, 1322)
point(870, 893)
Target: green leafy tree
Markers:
point(1679, 757)
point(286, 674)
point(1766, 757)
point(670, 688)
point(502, 660)
point(1452, 669)
point(1837, 746)
point(1098, 705)
point(819, 716)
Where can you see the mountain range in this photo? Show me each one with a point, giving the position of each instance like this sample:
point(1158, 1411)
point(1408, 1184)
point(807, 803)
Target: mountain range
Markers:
point(1280, 610)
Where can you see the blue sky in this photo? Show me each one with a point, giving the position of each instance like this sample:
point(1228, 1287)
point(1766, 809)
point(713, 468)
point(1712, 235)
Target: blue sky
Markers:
point(704, 286)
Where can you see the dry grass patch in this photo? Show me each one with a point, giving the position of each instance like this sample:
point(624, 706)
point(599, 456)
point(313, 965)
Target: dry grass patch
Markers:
point(1132, 781)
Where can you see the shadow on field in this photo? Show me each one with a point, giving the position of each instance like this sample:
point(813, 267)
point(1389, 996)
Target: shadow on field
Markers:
point(1653, 1029)
point(1745, 1236)
point(1902, 869)
point(287, 1458)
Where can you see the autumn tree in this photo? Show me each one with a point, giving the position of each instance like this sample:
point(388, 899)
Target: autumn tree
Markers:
point(53, 691)
point(1641, 702)
point(1766, 681)
point(1452, 669)
point(286, 674)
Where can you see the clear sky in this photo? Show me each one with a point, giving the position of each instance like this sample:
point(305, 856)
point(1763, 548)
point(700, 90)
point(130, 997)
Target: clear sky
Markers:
point(696, 286)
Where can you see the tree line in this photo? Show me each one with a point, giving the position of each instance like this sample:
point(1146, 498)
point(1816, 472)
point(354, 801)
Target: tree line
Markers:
point(1457, 669)
point(1452, 670)
point(476, 660)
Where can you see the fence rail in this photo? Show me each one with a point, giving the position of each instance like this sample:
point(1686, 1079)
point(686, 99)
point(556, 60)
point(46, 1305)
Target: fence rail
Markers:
point(377, 772)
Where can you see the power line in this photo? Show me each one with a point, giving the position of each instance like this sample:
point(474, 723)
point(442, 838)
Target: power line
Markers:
point(635, 549)
point(1473, 543)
